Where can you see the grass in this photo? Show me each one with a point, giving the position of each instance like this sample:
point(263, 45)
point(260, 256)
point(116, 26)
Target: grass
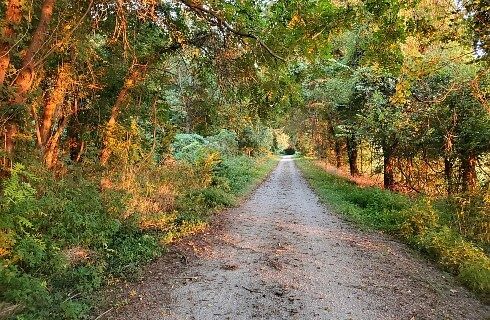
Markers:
point(417, 221)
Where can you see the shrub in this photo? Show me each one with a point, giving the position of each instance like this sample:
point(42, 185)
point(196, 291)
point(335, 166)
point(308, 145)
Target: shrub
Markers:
point(62, 240)
point(476, 275)
point(225, 142)
point(472, 216)
point(189, 147)
point(419, 219)
point(236, 173)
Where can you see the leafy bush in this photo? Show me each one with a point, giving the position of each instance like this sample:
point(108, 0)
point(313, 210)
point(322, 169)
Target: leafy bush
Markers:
point(257, 140)
point(419, 219)
point(472, 215)
point(62, 242)
point(236, 172)
point(207, 198)
point(189, 147)
point(476, 274)
point(129, 249)
point(225, 142)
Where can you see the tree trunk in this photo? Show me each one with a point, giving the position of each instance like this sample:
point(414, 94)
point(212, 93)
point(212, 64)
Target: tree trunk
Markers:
point(10, 133)
point(54, 101)
point(75, 144)
point(25, 77)
point(468, 168)
point(51, 112)
point(388, 165)
point(13, 16)
point(52, 145)
point(448, 174)
point(352, 152)
point(129, 83)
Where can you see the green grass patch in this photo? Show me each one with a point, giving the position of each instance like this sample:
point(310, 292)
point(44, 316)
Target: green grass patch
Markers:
point(423, 224)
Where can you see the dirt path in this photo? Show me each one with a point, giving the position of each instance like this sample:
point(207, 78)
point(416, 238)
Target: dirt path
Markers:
point(282, 255)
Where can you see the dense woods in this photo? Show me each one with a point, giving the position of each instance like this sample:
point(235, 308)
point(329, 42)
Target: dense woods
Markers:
point(124, 124)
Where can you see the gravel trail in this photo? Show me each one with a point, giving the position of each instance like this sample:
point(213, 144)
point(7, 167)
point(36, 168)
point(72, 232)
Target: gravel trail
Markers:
point(283, 255)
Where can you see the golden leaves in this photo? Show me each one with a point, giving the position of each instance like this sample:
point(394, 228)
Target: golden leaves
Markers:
point(296, 20)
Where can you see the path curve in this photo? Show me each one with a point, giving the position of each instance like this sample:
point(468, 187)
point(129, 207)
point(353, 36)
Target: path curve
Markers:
point(283, 255)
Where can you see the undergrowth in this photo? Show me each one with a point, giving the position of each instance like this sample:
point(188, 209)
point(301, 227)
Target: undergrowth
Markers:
point(63, 239)
point(427, 225)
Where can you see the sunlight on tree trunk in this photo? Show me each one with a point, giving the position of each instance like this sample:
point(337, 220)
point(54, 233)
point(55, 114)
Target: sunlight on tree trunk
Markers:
point(55, 101)
point(13, 16)
point(134, 76)
point(468, 166)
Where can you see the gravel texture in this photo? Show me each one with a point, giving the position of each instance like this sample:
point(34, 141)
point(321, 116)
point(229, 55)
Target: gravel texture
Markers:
point(283, 255)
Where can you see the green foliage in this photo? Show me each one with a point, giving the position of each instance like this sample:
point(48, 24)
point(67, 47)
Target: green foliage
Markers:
point(232, 178)
point(395, 75)
point(225, 142)
point(200, 201)
point(256, 140)
point(62, 241)
point(189, 147)
point(129, 249)
point(194, 148)
point(65, 237)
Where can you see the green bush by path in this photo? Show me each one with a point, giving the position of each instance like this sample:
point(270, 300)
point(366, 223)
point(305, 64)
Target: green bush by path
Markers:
point(417, 221)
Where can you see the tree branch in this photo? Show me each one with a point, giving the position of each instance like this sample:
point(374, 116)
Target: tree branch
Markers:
point(199, 9)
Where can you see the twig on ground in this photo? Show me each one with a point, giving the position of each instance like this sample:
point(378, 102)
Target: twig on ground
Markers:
point(104, 313)
point(185, 278)
point(251, 290)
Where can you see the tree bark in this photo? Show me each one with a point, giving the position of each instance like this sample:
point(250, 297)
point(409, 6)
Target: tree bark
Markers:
point(13, 16)
point(75, 143)
point(54, 101)
point(133, 77)
point(25, 77)
point(448, 174)
point(352, 152)
point(388, 165)
point(468, 168)
point(11, 131)
point(52, 145)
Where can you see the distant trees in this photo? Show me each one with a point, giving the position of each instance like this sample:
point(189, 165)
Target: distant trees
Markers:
point(411, 90)
point(75, 76)
point(397, 81)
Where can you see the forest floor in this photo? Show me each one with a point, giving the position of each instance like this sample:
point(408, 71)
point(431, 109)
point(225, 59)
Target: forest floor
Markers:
point(284, 255)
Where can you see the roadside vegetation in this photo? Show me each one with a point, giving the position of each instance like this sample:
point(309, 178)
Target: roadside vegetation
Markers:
point(125, 123)
point(438, 228)
point(69, 236)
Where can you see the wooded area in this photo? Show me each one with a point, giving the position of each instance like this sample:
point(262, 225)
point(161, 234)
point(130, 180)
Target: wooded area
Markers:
point(123, 119)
